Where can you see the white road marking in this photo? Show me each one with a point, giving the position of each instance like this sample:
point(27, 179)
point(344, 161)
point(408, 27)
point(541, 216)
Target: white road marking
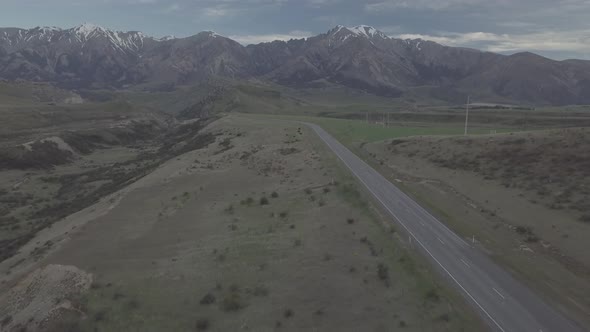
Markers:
point(464, 262)
point(502, 296)
point(414, 236)
point(441, 241)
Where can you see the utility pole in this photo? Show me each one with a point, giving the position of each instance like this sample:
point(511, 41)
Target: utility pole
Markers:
point(467, 114)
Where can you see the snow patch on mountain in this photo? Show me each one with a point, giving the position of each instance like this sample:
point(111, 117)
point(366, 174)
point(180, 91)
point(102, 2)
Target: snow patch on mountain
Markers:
point(88, 30)
point(367, 31)
point(341, 33)
point(165, 38)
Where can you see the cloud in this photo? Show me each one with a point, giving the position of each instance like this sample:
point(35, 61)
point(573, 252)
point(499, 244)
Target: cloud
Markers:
point(384, 6)
point(172, 8)
point(577, 41)
point(262, 38)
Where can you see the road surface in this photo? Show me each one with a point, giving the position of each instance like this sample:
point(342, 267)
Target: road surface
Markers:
point(504, 303)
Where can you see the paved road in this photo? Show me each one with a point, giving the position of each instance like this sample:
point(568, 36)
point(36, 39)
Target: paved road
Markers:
point(504, 303)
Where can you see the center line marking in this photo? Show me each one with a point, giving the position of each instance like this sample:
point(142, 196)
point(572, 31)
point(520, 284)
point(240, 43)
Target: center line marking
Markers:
point(502, 296)
point(404, 225)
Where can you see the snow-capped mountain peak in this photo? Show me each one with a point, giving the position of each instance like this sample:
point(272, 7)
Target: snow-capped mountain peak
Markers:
point(343, 33)
point(367, 31)
point(87, 30)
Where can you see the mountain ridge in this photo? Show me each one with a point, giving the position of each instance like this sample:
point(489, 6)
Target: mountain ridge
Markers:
point(361, 57)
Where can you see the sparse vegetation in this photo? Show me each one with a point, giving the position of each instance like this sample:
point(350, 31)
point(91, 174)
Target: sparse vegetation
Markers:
point(432, 295)
point(383, 273)
point(248, 201)
point(232, 301)
point(288, 313)
point(208, 299)
point(6, 320)
point(260, 290)
point(202, 324)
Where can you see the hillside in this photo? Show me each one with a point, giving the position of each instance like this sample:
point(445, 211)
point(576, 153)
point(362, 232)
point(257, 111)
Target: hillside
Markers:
point(361, 57)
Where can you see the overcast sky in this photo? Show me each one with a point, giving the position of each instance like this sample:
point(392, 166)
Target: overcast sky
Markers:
point(558, 29)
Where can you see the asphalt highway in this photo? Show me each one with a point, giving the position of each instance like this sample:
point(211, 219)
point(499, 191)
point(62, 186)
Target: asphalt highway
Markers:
point(503, 302)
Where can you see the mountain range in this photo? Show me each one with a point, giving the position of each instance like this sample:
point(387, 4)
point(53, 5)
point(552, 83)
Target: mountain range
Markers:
point(90, 56)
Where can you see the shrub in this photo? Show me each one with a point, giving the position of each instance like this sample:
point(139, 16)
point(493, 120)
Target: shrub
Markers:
point(208, 299)
point(432, 295)
point(444, 317)
point(230, 209)
point(247, 201)
point(288, 313)
point(202, 324)
point(260, 291)
point(274, 194)
point(232, 302)
point(523, 230)
point(263, 201)
point(6, 320)
point(383, 273)
point(100, 316)
point(283, 214)
point(350, 221)
point(308, 191)
point(326, 190)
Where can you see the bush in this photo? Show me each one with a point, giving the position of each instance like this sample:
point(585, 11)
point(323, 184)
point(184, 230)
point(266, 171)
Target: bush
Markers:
point(444, 317)
point(288, 313)
point(326, 190)
point(523, 230)
point(383, 273)
point(232, 302)
point(260, 291)
point(247, 201)
point(308, 191)
point(202, 324)
point(263, 201)
point(432, 295)
point(350, 221)
point(283, 214)
point(274, 194)
point(100, 316)
point(6, 320)
point(208, 299)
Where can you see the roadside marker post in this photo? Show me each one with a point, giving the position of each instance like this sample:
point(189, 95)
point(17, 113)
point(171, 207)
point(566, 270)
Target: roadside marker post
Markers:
point(467, 114)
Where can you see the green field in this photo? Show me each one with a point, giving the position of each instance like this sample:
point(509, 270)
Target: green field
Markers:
point(353, 132)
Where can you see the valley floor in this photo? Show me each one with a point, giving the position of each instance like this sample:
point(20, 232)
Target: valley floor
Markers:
point(261, 230)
